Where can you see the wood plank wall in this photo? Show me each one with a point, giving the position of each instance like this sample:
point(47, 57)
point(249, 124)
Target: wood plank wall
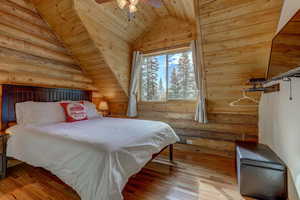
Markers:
point(167, 32)
point(30, 53)
point(236, 41)
point(286, 48)
point(237, 38)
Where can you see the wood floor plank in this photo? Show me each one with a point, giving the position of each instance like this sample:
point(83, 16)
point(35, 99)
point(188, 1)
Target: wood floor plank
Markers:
point(193, 176)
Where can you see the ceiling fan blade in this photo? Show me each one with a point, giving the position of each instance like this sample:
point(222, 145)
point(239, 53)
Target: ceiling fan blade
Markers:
point(154, 3)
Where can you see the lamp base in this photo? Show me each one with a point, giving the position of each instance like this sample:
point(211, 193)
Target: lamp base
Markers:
point(104, 113)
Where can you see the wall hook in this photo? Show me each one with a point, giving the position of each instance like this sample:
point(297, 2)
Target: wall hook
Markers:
point(290, 84)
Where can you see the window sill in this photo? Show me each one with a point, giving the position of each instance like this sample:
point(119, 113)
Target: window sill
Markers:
point(169, 101)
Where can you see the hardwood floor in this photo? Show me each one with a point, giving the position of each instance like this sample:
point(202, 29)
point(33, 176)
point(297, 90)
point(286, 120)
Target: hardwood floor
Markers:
point(193, 176)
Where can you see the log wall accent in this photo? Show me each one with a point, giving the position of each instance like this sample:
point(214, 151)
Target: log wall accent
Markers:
point(30, 53)
point(222, 130)
point(285, 53)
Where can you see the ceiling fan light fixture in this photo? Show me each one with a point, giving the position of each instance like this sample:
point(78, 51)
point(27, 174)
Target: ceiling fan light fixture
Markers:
point(122, 3)
point(134, 2)
point(132, 8)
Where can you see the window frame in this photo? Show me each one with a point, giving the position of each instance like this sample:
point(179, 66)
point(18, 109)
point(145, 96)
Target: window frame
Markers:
point(167, 53)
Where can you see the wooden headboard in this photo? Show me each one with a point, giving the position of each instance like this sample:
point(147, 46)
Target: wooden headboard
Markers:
point(12, 94)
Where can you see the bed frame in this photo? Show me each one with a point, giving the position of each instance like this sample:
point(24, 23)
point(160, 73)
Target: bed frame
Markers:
point(170, 152)
point(12, 94)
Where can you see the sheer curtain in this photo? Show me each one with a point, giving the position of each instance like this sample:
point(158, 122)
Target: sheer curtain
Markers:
point(135, 71)
point(200, 114)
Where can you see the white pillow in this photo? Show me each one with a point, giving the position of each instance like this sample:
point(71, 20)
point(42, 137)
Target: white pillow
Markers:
point(91, 110)
point(39, 113)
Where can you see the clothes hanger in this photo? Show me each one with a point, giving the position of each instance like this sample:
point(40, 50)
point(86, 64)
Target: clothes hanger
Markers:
point(235, 103)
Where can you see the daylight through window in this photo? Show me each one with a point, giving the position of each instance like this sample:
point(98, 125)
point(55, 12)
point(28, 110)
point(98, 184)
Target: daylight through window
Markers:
point(168, 76)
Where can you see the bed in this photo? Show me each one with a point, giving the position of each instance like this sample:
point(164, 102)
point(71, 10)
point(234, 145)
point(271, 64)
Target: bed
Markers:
point(96, 157)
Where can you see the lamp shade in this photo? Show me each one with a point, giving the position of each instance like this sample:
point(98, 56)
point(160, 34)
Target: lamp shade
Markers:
point(122, 3)
point(103, 105)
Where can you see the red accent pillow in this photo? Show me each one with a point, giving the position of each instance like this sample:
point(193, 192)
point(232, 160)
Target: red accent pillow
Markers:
point(74, 111)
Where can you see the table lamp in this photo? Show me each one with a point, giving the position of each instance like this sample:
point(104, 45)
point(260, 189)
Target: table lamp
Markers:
point(103, 108)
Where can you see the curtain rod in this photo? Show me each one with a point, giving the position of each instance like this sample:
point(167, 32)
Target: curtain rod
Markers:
point(292, 73)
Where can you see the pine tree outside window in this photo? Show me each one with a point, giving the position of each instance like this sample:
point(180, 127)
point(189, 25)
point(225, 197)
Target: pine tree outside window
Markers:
point(168, 76)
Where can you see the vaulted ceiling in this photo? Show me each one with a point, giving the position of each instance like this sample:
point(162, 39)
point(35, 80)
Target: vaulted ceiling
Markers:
point(116, 20)
point(234, 39)
point(182, 9)
point(101, 37)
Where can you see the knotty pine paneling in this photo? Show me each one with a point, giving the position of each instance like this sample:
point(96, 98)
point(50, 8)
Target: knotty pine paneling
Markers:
point(222, 130)
point(167, 32)
point(181, 115)
point(285, 53)
point(235, 37)
point(101, 37)
point(116, 20)
point(102, 55)
point(30, 53)
point(116, 52)
point(236, 42)
point(180, 9)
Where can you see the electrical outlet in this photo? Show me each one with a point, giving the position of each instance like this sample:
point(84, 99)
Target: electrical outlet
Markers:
point(189, 141)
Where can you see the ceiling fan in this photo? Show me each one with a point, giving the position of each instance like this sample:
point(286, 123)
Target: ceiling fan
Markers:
point(131, 4)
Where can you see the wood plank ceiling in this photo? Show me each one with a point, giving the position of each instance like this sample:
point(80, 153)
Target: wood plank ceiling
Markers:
point(101, 37)
point(116, 20)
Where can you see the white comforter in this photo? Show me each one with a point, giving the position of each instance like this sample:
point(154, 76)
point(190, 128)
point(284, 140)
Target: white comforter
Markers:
point(95, 157)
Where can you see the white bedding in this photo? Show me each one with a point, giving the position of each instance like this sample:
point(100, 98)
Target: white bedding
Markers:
point(95, 157)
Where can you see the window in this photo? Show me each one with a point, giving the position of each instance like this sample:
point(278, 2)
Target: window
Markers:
point(168, 76)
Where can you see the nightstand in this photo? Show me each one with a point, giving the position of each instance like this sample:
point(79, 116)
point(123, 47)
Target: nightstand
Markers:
point(3, 157)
